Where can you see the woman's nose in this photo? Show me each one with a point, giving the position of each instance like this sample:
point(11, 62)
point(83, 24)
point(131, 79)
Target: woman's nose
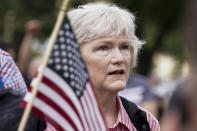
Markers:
point(117, 57)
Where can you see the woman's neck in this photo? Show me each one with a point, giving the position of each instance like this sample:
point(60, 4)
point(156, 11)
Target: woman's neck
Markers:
point(109, 107)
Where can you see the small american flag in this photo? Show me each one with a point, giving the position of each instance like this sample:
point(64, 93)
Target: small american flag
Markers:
point(65, 96)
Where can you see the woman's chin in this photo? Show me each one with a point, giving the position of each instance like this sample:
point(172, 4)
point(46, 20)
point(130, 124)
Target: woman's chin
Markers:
point(117, 86)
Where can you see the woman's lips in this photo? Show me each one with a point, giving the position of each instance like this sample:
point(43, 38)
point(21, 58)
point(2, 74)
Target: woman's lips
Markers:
point(117, 72)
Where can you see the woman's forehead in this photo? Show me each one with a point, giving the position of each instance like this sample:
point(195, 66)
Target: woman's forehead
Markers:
point(110, 39)
point(114, 40)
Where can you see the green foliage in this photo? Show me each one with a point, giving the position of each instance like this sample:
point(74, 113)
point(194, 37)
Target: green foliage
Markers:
point(25, 10)
point(158, 23)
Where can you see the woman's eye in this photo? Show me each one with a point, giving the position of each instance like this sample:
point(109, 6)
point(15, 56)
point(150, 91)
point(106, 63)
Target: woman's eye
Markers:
point(125, 47)
point(103, 48)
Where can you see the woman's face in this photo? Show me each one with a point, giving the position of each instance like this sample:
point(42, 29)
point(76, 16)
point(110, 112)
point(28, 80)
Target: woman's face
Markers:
point(108, 61)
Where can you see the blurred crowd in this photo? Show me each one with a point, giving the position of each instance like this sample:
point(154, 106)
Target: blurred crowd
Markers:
point(30, 52)
point(172, 102)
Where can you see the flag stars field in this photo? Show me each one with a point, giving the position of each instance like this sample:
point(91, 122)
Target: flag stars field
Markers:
point(63, 46)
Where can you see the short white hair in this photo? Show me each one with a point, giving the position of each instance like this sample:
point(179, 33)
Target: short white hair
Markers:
point(96, 20)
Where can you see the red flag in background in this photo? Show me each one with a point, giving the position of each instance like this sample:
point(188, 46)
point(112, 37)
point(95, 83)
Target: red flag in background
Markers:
point(65, 97)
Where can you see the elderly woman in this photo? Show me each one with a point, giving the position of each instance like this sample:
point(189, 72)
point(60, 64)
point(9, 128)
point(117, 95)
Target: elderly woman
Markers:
point(109, 47)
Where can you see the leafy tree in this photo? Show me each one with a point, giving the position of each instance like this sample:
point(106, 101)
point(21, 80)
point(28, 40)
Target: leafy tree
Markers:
point(159, 24)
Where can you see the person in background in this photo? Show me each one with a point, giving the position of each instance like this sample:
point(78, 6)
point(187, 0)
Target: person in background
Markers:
point(109, 47)
point(32, 69)
point(181, 113)
point(28, 59)
point(24, 60)
point(10, 74)
point(32, 28)
point(12, 90)
point(138, 90)
point(11, 112)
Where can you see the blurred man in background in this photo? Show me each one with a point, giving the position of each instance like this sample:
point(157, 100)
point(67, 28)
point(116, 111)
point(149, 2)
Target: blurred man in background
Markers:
point(181, 114)
point(138, 90)
point(11, 76)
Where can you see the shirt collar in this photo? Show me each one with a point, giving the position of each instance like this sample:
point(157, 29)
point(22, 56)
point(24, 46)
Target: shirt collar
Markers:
point(123, 117)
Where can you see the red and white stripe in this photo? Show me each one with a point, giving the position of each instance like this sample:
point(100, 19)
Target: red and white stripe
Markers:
point(57, 103)
point(123, 122)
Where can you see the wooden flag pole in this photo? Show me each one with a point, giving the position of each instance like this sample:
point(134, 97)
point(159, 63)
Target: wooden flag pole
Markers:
point(44, 64)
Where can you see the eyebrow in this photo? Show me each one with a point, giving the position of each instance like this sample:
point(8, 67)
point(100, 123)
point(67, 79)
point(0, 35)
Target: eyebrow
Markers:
point(110, 42)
